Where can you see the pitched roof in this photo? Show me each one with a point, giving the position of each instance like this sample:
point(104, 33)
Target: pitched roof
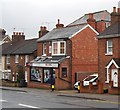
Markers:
point(117, 60)
point(62, 33)
point(98, 16)
point(23, 47)
point(111, 31)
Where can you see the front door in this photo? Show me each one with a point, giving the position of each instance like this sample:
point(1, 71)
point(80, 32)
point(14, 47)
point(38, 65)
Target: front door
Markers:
point(114, 77)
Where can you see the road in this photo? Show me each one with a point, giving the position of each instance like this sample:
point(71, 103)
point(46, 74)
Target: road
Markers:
point(44, 100)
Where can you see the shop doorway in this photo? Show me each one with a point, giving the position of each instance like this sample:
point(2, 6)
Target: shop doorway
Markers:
point(49, 75)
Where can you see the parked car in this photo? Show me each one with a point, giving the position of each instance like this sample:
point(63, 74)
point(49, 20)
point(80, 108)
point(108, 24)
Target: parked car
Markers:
point(91, 78)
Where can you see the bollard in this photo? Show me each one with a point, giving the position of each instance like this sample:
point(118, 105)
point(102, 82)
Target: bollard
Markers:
point(53, 87)
point(78, 87)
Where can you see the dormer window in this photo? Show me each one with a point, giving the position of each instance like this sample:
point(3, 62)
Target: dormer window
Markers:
point(109, 47)
point(59, 48)
point(44, 49)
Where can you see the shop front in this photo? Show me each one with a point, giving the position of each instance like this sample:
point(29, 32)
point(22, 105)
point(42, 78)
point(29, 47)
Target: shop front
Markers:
point(46, 71)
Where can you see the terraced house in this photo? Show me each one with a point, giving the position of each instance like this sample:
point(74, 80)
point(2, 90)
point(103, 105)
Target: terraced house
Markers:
point(109, 54)
point(66, 51)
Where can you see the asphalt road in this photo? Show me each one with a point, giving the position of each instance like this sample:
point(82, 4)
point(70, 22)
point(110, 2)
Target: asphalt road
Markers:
point(45, 100)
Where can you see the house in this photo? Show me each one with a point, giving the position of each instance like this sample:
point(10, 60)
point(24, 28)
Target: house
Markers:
point(109, 54)
point(65, 51)
point(3, 37)
point(17, 53)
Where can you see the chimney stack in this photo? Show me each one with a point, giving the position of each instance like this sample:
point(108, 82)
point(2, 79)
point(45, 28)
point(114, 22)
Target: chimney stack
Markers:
point(115, 15)
point(43, 31)
point(58, 25)
point(91, 21)
point(18, 36)
point(114, 9)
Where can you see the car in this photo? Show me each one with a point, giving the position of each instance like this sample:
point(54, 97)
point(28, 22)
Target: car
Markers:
point(91, 78)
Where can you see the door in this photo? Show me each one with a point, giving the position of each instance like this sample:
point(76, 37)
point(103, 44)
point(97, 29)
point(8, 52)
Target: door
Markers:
point(114, 77)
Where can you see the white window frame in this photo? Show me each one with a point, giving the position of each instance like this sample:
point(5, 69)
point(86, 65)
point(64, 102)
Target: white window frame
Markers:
point(107, 51)
point(50, 49)
point(16, 58)
point(8, 59)
point(58, 49)
point(26, 59)
point(44, 47)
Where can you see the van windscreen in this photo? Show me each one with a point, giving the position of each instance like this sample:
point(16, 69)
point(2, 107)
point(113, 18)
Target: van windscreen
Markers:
point(89, 78)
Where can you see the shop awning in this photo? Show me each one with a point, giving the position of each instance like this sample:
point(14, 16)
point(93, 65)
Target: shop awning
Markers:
point(46, 61)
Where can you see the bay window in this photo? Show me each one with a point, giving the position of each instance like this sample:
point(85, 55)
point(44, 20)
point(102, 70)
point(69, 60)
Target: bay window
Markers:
point(58, 48)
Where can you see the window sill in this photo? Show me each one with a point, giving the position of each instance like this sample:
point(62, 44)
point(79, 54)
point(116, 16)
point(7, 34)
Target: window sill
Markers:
point(106, 82)
point(44, 55)
point(109, 54)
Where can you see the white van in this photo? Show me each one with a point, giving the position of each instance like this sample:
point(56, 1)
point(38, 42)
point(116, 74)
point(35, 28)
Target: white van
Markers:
point(91, 78)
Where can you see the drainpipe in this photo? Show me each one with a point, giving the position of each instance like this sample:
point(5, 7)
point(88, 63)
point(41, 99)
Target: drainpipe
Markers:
point(71, 62)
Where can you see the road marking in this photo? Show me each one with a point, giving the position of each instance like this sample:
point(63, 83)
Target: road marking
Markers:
point(28, 106)
point(105, 101)
point(3, 100)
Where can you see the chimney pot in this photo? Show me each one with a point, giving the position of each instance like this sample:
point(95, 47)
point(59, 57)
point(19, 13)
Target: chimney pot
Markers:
point(118, 10)
point(114, 9)
point(19, 33)
point(16, 33)
point(13, 33)
point(58, 21)
point(44, 28)
point(22, 33)
point(90, 15)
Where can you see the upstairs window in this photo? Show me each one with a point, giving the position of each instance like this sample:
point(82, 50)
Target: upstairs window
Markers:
point(8, 59)
point(26, 59)
point(44, 49)
point(109, 47)
point(55, 48)
point(16, 58)
point(62, 47)
point(59, 48)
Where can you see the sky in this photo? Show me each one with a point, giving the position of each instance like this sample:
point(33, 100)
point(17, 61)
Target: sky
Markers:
point(28, 15)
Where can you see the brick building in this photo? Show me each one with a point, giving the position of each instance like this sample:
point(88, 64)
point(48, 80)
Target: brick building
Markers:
point(65, 51)
point(19, 52)
point(16, 54)
point(109, 54)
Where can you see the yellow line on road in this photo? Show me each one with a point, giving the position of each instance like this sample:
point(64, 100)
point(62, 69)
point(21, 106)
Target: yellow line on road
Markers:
point(105, 101)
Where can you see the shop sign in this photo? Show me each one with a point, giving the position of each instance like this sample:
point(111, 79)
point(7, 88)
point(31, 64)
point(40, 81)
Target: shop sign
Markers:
point(55, 65)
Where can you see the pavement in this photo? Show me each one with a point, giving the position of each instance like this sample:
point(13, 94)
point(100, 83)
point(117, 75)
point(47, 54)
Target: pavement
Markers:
point(68, 93)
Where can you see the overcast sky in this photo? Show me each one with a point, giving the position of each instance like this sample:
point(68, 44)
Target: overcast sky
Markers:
point(29, 15)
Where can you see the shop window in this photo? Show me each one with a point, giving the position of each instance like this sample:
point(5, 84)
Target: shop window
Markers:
point(48, 75)
point(64, 72)
point(35, 75)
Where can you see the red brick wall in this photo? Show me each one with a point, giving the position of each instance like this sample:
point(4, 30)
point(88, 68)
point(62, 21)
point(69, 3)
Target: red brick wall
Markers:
point(84, 52)
point(13, 65)
point(103, 59)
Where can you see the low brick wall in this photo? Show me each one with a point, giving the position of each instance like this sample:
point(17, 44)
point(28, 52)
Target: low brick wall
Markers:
point(38, 85)
point(8, 83)
point(88, 89)
point(113, 90)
